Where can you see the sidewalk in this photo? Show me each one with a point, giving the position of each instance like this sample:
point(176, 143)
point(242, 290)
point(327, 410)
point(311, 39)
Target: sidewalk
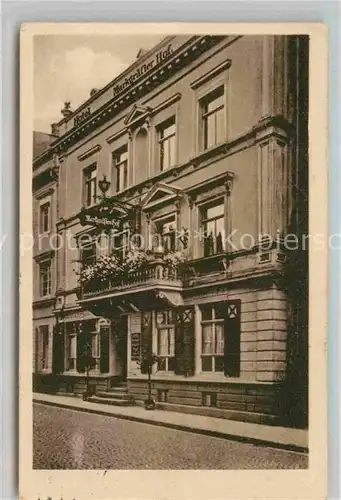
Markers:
point(276, 437)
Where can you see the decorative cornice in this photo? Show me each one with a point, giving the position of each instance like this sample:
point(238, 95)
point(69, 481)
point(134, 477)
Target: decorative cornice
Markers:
point(181, 58)
point(165, 104)
point(226, 178)
point(44, 255)
point(211, 74)
point(89, 152)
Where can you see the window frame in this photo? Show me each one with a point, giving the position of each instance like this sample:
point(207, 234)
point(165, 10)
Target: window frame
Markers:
point(48, 263)
point(91, 181)
point(85, 247)
point(71, 338)
point(168, 326)
point(42, 203)
point(170, 139)
point(202, 88)
point(214, 352)
point(205, 205)
point(160, 220)
point(204, 102)
point(117, 165)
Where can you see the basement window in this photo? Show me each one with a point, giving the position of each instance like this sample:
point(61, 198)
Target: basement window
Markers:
point(209, 399)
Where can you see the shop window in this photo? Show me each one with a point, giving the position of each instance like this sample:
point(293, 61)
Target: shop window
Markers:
point(213, 227)
point(90, 185)
point(212, 332)
point(120, 166)
point(165, 340)
point(167, 144)
point(45, 278)
point(213, 118)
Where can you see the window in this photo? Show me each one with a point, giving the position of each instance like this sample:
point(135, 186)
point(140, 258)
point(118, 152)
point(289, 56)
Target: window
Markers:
point(44, 217)
point(90, 185)
point(120, 165)
point(71, 345)
point(213, 118)
point(42, 349)
point(212, 331)
point(167, 144)
point(89, 254)
point(45, 278)
point(165, 340)
point(213, 228)
point(166, 233)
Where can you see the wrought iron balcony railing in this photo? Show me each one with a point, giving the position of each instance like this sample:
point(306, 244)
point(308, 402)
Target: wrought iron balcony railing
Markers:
point(154, 273)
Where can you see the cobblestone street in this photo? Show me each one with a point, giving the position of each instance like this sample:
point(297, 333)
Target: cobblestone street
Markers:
point(68, 439)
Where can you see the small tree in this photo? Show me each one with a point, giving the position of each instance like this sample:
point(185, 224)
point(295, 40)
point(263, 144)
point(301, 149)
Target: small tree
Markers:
point(146, 363)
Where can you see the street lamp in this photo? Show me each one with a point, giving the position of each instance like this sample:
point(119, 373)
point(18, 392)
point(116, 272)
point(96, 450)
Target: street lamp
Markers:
point(104, 185)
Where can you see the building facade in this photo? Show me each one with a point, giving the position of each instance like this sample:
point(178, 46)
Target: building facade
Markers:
point(161, 208)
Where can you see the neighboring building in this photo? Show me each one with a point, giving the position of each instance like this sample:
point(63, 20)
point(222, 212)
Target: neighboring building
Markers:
point(200, 138)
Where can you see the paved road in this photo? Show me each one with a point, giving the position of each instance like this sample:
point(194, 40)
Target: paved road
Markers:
point(68, 439)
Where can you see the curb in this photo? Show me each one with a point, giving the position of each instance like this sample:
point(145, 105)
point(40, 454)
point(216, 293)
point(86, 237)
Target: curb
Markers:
point(206, 432)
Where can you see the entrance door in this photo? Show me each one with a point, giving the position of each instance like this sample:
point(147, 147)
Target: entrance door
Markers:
point(120, 332)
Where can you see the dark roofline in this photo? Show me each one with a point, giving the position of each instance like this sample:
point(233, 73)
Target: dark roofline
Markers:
point(118, 77)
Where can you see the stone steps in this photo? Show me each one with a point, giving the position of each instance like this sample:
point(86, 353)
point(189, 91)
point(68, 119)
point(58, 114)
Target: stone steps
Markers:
point(115, 395)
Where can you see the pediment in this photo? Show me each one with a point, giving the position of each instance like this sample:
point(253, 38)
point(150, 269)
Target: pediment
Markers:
point(159, 194)
point(135, 114)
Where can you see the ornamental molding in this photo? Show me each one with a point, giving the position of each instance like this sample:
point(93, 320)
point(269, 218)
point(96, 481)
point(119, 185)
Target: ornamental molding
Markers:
point(225, 65)
point(89, 152)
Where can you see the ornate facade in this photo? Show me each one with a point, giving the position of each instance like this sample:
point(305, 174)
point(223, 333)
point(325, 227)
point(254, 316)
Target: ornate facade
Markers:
point(161, 208)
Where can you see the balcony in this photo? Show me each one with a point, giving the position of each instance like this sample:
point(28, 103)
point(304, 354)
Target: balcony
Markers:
point(135, 288)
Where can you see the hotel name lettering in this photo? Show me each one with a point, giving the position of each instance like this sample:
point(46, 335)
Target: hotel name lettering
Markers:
point(101, 221)
point(130, 80)
point(143, 69)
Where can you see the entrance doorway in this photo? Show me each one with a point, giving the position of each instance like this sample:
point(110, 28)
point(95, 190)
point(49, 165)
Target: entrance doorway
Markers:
point(120, 333)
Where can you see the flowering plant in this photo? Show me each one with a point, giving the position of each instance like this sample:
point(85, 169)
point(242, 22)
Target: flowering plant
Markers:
point(105, 267)
point(174, 259)
point(136, 259)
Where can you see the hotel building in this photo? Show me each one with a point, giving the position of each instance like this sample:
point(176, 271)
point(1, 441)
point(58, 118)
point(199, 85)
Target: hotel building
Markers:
point(198, 154)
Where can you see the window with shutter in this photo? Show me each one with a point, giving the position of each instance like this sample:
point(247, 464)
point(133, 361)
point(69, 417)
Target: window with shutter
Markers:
point(165, 340)
point(230, 312)
point(146, 335)
point(185, 341)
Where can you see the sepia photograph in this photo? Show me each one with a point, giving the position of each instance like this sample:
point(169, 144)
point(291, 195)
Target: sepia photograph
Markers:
point(170, 251)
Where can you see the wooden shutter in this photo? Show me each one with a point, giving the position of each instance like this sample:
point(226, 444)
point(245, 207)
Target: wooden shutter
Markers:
point(230, 310)
point(80, 347)
point(185, 341)
point(146, 335)
point(37, 353)
point(58, 350)
point(105, 348)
